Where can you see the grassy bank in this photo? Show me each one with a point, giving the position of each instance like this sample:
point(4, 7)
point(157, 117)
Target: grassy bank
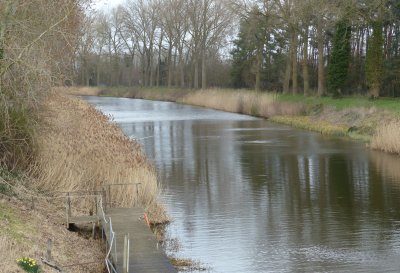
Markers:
point(375, 121)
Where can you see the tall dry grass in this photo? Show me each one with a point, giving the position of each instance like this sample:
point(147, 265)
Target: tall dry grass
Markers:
point(242, 101)
point(78, 91)
point(387, 138)
point(80, 149)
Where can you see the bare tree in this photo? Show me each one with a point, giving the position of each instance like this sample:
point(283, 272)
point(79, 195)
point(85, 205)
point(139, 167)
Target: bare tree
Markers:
point(209, 24)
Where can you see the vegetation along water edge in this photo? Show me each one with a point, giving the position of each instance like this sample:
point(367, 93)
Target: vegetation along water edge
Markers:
point(375, 121)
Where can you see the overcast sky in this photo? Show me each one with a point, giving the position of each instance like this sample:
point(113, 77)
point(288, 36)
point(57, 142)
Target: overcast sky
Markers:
point(106, 4)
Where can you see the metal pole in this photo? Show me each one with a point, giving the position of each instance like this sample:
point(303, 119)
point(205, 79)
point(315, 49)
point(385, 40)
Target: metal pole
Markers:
point(115, 247)
point(127, 255)
point(97, 205)
point(124, 269)
point(109, 194)
point(125, 265)
point(69, 204)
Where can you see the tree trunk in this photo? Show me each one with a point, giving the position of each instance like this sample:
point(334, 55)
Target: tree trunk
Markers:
point(151, 70)
point(181, 68)
point(306, 76)
point(170, 65)
point(294, 60)
point(286, 82)
point(159, 61)
point(203, 70)
point(375, 91)
point(321, 72)
point(258, 71)
point(196, 73)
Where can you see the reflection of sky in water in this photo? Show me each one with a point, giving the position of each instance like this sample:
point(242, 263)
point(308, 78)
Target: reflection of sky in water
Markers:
point(250, 196)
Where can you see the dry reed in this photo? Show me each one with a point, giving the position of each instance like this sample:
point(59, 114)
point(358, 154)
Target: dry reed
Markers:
point(78, 91)
point(80, 149)
point(387, 138)
point(243, 101)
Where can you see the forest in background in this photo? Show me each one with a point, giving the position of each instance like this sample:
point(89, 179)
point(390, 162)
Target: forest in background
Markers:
point(319, 47)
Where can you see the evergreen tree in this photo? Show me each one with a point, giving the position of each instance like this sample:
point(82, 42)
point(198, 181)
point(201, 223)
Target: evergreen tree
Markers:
point(248, 54)
point(340, 59)
point(374, 62)
point(241, 61)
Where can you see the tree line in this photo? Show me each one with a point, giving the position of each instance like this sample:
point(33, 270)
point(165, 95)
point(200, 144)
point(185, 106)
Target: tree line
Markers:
point(156, 42)
point(336, 47)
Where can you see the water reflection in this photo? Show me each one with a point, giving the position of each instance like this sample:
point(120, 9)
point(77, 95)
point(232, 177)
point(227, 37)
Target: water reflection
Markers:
point(251, 196)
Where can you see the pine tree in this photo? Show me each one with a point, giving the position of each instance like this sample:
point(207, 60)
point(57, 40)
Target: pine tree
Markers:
point(242, 59)
point(340, 59)
point(374, 62)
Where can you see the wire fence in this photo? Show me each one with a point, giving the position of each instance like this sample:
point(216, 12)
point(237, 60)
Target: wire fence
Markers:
point(111, 242)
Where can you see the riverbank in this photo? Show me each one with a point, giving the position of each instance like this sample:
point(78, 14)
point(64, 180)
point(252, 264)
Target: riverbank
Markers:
point(79, 148)
point(76, 148)
point(376, 122)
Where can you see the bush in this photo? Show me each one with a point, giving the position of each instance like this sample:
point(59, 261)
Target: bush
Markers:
point(16, 134)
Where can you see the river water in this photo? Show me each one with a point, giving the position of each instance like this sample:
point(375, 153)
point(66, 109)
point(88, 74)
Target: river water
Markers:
point(247, 195)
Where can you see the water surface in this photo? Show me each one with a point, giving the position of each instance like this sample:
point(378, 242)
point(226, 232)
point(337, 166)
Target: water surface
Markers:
point(247, 195)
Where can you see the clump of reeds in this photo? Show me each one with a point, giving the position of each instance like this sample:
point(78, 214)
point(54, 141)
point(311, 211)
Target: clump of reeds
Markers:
point(387, 138)
point(78, 91)
point(243, 101)
point(80, 149)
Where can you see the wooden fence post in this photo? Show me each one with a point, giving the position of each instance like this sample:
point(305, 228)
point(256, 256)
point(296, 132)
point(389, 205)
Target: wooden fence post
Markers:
point(49, 247)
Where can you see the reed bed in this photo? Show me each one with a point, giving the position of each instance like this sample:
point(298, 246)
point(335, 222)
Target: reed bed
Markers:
point(79, 91)
point(243, 101)
point(387, 138)
point(80, 149)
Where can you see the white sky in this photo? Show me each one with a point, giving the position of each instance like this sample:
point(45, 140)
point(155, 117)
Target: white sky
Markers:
point(106, 4)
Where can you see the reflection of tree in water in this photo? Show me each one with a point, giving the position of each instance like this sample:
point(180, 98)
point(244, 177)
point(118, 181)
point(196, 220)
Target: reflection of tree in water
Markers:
point(341, 192)
point(385, 184)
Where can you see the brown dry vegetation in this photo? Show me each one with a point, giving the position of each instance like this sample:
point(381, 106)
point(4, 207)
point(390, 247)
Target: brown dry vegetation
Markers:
point(387, 138)
point(248, 102)
point(80, 149)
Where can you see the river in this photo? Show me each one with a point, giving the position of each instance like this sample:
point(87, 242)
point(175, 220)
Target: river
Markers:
point(247, 195)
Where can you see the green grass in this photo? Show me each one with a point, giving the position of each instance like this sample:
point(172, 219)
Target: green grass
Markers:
point(345, 102)
point(16, 227)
